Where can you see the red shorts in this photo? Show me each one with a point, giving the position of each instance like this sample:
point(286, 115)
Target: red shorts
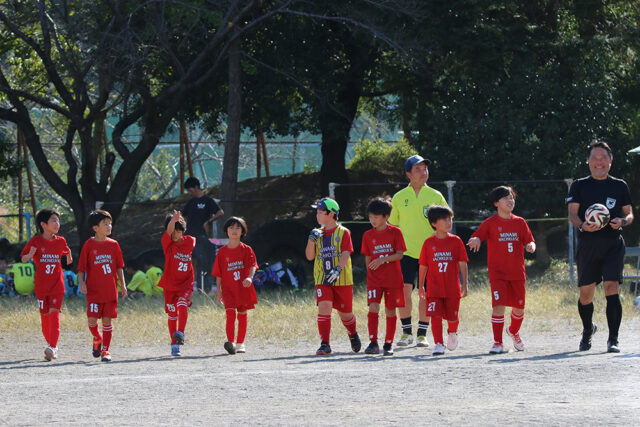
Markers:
point(341, 296)
point(171, 300)
point(50, 302)
point(102, 309)
point(393, 298)
point(510, 293)
point(447, 308)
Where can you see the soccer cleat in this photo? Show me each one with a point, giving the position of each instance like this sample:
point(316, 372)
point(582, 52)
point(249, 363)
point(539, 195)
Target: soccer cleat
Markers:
point(240, 348)
point(438, 350)
point(97, 347)
point(324, 349)
point(49, 354)
point(387, 350)
point(612, 347)
point(498, 348)
point(178, 337)
point(230, 347)
point(175, 350)
point(106, 356)
point(585, 342)
point(421, 341)
point(517, 341)
point(356, 344)
point(452, 341)
point(372, 348)
point(405, 340)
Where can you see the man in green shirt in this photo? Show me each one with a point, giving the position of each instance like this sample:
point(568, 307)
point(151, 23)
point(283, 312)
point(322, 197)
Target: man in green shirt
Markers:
point(24, 274)
point(409, 212)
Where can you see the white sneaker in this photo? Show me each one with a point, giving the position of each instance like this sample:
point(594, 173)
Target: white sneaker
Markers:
point(498, 348)
point(517, 341)
point(421, 341)
point(405, 340)
point(50, 353)
point(452, 341)
point(240, 348)
point(438, 350)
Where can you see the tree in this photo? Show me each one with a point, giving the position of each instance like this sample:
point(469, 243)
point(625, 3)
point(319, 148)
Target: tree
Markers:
point(86, 61)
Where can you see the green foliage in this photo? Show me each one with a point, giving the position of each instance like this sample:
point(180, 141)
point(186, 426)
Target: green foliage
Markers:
point(381, 156)
point(9, 166)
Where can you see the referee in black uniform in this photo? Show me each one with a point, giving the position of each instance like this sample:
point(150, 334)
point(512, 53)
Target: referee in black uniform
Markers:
point(600, 251)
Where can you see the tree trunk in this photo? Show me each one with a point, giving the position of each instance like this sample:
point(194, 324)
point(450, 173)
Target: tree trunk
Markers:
point(229, 184)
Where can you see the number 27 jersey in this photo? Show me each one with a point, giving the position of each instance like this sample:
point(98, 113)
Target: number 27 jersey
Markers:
point(441, 257)
point(101, 261)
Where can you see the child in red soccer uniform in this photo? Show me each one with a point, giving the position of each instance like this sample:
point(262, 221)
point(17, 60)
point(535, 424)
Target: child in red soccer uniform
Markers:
point(234, 268)
point(442, 260)
point(331, 248)
point(101, 261)
point(507, 237)
point(47, 249)
point(383, 247)
point(177, 280)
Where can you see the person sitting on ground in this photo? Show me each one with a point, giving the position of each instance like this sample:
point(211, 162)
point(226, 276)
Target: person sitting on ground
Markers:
point(139, 285)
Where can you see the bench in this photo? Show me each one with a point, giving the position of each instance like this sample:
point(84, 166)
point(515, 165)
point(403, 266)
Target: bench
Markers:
point(633, 252)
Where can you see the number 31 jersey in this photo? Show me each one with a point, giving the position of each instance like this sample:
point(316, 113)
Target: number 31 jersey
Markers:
point(178, 271)
point(506, 239)
point(441, 257)
point(100, 261)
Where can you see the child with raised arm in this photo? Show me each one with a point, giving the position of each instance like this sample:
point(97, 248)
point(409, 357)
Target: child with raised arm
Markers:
point(99, 268)
point(46, 249)
point(383, 247)
point(234, 268)
point(331, 247)
point(443, 259)
point(177, 280)
point(507, 236)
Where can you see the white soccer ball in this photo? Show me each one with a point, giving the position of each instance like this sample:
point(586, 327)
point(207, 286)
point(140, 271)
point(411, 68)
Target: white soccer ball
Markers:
point(597, 214)
point(636, 303)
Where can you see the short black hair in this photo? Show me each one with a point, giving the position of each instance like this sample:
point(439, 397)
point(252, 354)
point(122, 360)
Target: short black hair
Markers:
point(236, 220)
point(437, 212)
point(500, 192)
point(96, 216)
point(379, 206)
point(599, 143)
point(192, 182)
point(181, 224)
point(43, 215)
point(134, 263)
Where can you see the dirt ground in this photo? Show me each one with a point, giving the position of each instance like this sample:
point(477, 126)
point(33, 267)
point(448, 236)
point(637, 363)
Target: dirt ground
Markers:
point(549, 383)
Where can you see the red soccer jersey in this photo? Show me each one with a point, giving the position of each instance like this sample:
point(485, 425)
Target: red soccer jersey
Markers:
point(49, 279)
point(232, 265)
point(441, 257)
point(100, 261)
point(178, 271)
point(377, 244)
point(506, 239)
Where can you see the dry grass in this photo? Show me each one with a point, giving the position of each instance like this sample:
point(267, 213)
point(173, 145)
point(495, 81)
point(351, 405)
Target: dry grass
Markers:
point(287, 317)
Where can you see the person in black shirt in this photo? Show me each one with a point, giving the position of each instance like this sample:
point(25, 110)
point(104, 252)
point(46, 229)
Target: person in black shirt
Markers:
point(200, 212)
point(600, 253)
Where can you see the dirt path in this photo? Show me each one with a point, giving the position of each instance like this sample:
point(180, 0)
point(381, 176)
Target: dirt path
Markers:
point(549, 383)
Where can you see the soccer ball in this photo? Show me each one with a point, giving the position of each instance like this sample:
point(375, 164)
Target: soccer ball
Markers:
point(597, 214)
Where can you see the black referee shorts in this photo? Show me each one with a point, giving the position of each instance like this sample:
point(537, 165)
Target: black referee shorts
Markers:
point(600, 260)
point(409, 267)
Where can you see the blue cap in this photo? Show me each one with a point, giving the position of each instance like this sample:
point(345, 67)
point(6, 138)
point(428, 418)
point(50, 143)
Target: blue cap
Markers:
point(414, 160)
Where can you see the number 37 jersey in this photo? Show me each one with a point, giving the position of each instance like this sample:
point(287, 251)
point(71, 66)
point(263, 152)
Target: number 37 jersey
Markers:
point(48, 280)
point(101, 261)
point(178, 271)
point(441, 257)
point(506, 239)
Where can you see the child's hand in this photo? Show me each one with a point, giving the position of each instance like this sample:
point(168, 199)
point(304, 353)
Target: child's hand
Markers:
point(315, 234)
point(474, 244)
point(465, 290)
point(531, 247)
point(422, 294)
point(32, 251)
point(83, 288)
point(220, 297)
point(333, 275)
point(247, 282)
point(124, 291)
point(176, 215)
point(373, 265)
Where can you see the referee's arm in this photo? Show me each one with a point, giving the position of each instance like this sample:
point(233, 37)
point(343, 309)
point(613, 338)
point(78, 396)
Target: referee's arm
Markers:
point(626, 219)
point(577, 222)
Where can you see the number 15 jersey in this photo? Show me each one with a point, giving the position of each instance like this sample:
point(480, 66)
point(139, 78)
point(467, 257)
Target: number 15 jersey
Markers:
point(100, 261)
point(506, 239)
point(178, 271)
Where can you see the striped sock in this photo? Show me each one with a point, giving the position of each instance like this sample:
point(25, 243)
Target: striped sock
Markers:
point(422, 328)
point(516, 322)
point(406, 325)
point(95, 332)
point(107, 333)
point(497, 323)
point(183, 314)
point(173, 327)
point(350, 325)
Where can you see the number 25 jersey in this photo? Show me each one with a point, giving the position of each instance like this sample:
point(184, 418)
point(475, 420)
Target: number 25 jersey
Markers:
point(178, 270)
point(101, 261)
